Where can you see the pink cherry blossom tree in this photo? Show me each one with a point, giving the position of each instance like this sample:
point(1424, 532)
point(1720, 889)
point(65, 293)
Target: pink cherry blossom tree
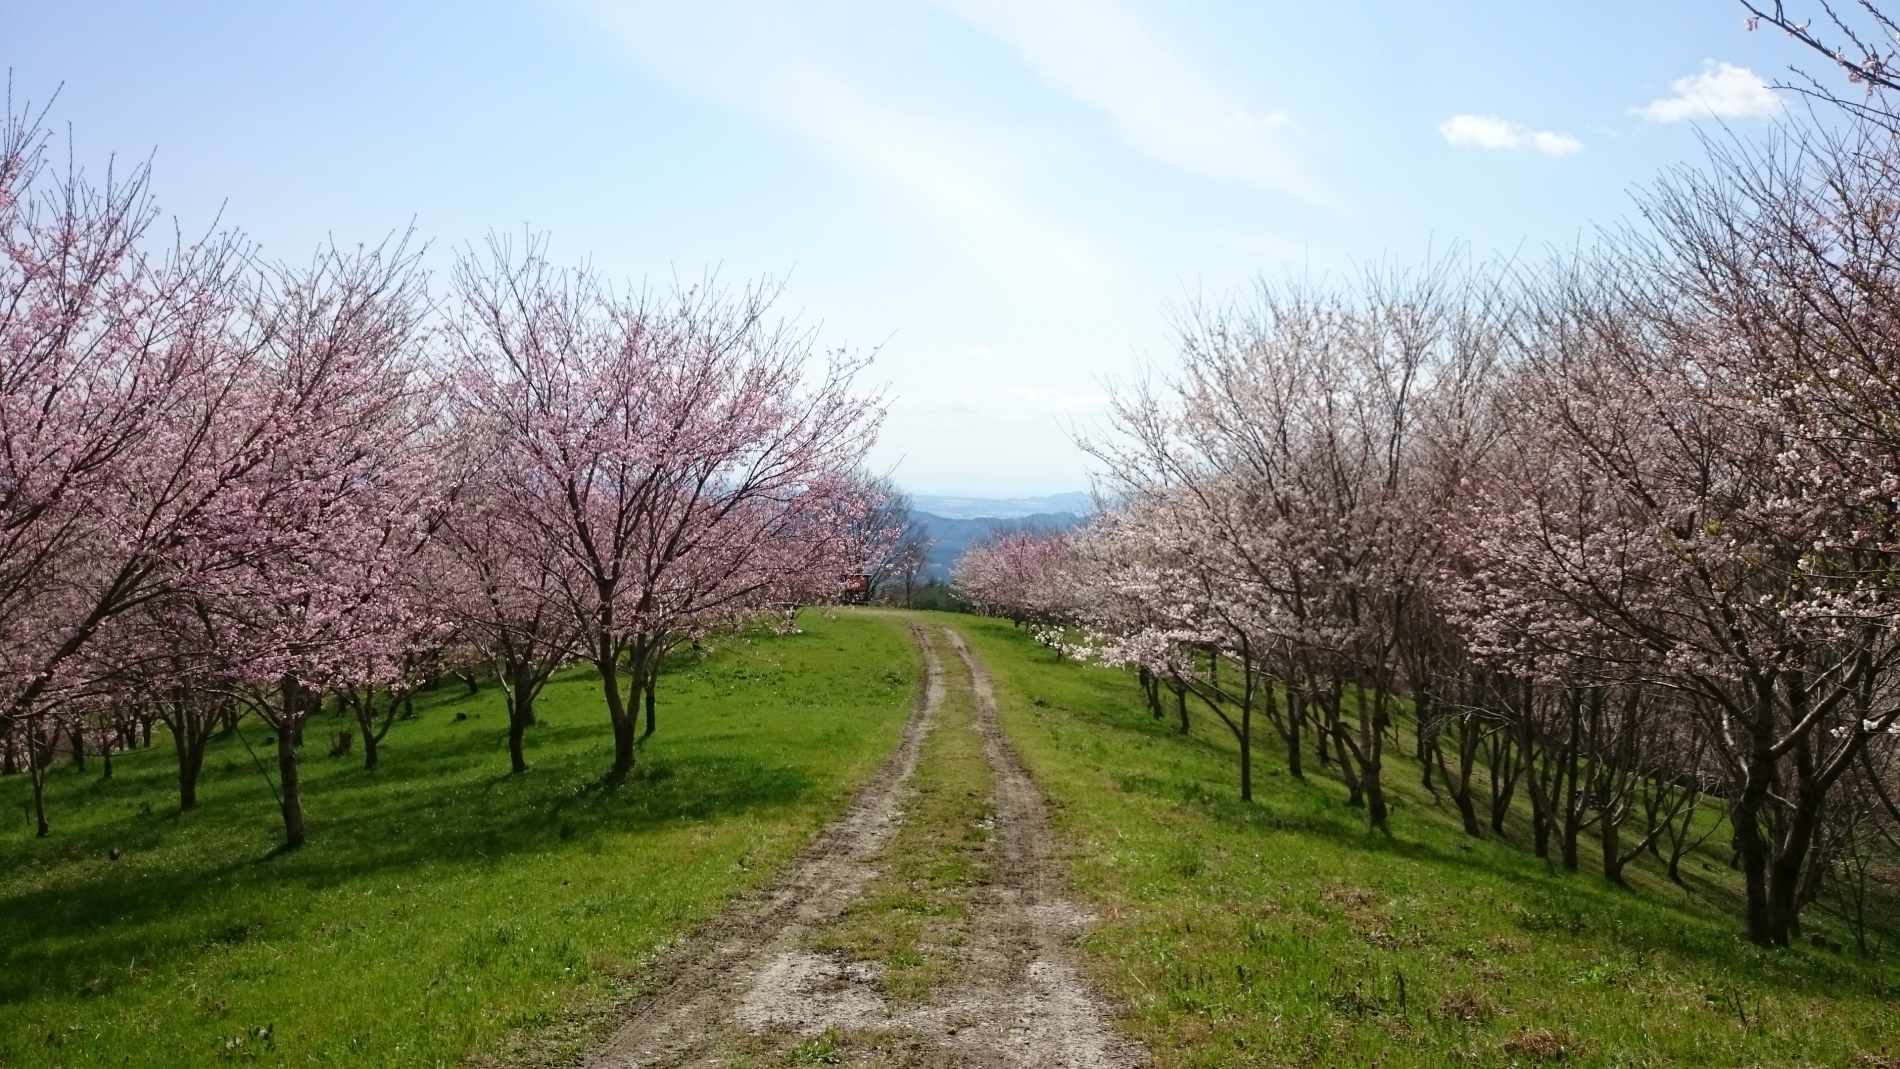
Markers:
point(303, 563)
point(507, 595)
point(670, 452)
point(888, 545)
point(112, 360)
point(1020, 575)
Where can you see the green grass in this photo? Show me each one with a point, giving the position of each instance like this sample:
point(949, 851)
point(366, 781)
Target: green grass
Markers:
point(1283, 933)
point(442, 909)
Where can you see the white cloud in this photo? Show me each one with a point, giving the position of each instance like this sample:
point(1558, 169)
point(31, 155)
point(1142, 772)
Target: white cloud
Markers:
point(1016, 436)
point(1162, 103)
point(786, 64)
point(1722, 90)
point(1489, 131)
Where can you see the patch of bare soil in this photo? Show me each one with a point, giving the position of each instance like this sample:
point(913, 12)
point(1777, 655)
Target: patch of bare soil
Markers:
point(1012, 996)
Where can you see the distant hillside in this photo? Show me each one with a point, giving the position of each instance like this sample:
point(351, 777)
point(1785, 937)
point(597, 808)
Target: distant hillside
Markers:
point(1003, 508)
point(954, 534)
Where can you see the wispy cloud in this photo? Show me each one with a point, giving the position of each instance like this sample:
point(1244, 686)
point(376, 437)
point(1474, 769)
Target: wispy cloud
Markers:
point(1161, 102)
point(785, 63)
point(1489, 131)
point(1722, 90)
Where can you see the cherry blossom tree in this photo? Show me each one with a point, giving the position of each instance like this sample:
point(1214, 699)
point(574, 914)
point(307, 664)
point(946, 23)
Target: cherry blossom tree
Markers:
point(671, 452)
point(890, 544)
point(1699, 494)
point(1276, 479)
point(158, 660)
point(1859, 42)
point(1017, 574)
point(112, 360)
point(303, 562)
point(506, 593)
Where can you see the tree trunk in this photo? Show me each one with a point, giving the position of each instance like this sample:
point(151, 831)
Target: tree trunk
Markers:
point(1459, 785)
point(375, 729)
point(191, 757)
point(624, 742)
point(1751, 848)
point(1504, 770)
point(1787, 867)
point(1289, 727)
point(1679, 828)
point(1342, 740)
point(1355, 795)
point(1295, 719)
point(517, 760)
point(1534, 777)
point(607, 660)
point(191, 722)
point(651, 682)
point(1246, 752)
point(1322, 735)
point(1575, 798)
point(1372, 750)
point(39, 755)
point(1613, 860)
point(521, 691)
point(289, 783)
point(297, 700)
point(39, 802)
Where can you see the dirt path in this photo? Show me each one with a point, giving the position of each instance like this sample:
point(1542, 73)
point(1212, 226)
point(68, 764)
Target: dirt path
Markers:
point(1010, 994)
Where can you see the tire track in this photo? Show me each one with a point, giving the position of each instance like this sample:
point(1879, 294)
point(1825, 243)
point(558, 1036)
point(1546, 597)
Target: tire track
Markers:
point(691, 1013)
point(1016, 998)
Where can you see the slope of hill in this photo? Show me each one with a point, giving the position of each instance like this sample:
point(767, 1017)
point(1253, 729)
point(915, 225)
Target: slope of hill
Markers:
point(1280, 932)
point(1074, 503)
point(441, 905)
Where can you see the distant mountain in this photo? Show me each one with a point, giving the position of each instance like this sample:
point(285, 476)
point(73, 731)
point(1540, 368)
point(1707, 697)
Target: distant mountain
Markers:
point(1076, 504)
point(954, 534)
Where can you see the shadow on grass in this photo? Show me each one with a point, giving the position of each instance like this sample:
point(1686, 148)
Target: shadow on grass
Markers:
point(1580, 909)
point(97, 918)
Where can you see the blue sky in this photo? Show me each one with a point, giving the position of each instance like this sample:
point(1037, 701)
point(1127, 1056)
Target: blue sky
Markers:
point(1007, 197)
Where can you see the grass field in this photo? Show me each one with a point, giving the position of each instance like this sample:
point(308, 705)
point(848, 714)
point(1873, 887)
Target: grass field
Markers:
point(442, 908)
point(445, 911)
point(1282, 933)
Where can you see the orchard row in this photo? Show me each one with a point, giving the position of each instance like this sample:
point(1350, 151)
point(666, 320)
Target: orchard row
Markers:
point(1617, 534)
point(235, 489)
